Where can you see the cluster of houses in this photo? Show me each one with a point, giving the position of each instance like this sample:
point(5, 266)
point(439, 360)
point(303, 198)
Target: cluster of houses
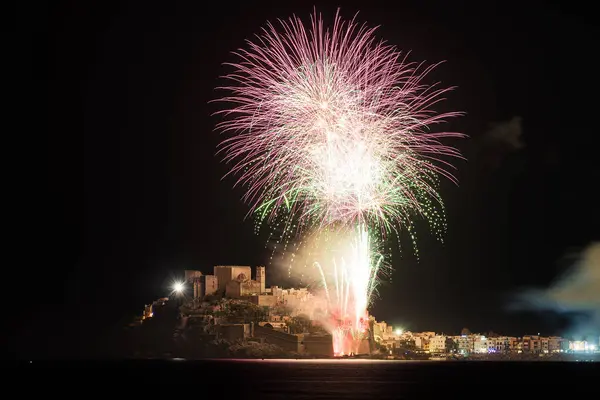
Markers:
point(470, 343)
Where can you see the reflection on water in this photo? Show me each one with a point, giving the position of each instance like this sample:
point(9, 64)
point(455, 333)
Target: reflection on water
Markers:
point(379, 379)
point(319, 361)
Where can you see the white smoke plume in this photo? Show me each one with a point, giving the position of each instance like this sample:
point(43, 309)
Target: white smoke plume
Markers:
point(576, 292)
point(507, 134)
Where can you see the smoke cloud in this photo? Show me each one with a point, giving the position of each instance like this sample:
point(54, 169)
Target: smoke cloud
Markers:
point(577, 292)
point(500, 142)
point(298, 261)
point(506, 134)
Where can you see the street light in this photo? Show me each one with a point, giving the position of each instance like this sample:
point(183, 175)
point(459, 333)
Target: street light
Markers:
point(178, 287)
point(178, 292)
point(398, 332)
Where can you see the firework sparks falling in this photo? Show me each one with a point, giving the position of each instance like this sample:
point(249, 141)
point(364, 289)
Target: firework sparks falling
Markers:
point(354, 275)
point(349, 283)
point(329, 130)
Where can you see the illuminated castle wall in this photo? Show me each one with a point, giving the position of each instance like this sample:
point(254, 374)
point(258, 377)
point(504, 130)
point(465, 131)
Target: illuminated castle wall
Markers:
point(232, 281)
point(227, 273)
point(241, 285)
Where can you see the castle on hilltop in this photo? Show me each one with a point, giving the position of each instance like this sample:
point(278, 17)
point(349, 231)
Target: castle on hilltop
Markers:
point(234, 282)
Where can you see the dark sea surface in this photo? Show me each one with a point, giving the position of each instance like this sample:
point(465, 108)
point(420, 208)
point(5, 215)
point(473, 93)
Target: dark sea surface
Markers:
point(346, 379)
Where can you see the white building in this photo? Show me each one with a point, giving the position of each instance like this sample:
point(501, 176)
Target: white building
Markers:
point(581, 346)
point(499, 344)
point(555, 344)
point(421, 342)
point(480, 344)
point(437, 344)
point(464, 343)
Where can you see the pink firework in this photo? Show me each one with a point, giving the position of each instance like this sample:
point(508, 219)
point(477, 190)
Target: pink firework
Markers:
point(330, 128)
point(333, 126)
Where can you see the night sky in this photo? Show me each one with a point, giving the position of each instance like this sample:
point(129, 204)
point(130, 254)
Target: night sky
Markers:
point(135, 194)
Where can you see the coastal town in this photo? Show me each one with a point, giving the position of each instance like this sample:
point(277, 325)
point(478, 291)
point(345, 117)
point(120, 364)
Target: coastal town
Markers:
point(228, 314)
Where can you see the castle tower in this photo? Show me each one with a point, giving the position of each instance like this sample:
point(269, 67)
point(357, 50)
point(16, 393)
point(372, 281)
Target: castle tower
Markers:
point(260, 278)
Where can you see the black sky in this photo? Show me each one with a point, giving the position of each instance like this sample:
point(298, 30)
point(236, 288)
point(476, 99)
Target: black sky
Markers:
point(135, 191)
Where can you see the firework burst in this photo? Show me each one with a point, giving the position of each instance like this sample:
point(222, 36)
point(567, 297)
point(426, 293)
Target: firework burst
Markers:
point(329, 130)
point(332, 127)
